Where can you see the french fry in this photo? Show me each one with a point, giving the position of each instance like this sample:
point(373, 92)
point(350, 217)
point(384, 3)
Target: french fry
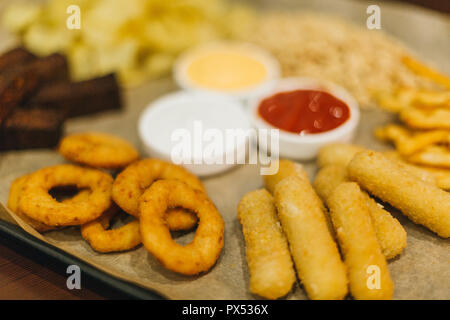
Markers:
point(437, 156)
point(431, 99)
point(393, 102)
point(425, 71)
point(426, 119)
point(407, 142)
point(404, 98)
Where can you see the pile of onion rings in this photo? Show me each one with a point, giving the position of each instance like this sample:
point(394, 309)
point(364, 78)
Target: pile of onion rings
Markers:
point(161, 196)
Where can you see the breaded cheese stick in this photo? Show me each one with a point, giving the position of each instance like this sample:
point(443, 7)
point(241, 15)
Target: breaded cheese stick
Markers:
point(422, 202)
point(286, 168)
point(337, 153)
point(316, 256)
point(328, 178)
point(269, 260)
point(342, 154)
point(419, 172)
point(390, 233)
point(366, 264)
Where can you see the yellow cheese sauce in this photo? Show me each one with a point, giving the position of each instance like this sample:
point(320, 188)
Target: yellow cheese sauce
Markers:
point(226, 70)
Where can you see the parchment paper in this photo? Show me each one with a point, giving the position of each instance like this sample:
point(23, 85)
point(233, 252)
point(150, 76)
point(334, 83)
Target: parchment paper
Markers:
point(421, 271)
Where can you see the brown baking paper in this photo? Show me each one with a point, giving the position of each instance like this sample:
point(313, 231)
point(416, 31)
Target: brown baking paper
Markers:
point(420, 272)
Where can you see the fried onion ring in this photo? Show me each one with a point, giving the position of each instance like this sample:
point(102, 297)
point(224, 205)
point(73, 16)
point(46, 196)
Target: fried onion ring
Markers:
point(38, 204)
point(199, 255)
point(15, 192)
point(98, 150)
point(131, 183)
point(124, 238)
point(179, 219)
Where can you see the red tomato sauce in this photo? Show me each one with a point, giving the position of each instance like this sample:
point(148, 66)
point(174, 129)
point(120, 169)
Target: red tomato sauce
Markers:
point(304, 111)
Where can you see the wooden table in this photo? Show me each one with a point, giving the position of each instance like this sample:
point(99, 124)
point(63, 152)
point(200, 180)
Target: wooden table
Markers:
point(24, 274)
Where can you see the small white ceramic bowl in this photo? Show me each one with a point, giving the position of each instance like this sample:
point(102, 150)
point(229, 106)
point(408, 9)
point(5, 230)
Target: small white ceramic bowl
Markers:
point(305, 147)
point(266, 59)
point(182, 120)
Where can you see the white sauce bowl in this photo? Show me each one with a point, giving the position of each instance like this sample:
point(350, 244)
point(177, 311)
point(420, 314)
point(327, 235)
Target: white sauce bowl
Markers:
point(181, 112)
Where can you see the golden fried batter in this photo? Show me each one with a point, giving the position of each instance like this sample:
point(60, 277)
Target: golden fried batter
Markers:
point(98, 150)
point(38, 204)
point(15, 192)
point(422, 202)
point(131, 183)
point(124, 238)
point(313, 249)
point(358, 242)
point(269, 260)
point(337, 153)
point(390, 233)
point(285, 168)
point(199, 255)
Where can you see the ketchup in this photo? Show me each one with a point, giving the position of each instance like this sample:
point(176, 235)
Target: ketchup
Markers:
point(304, 111)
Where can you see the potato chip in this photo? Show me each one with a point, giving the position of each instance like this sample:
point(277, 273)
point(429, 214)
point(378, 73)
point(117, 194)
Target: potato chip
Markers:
point(44, 40)
point(82, 62)
point(19, 16)
point(139, 39)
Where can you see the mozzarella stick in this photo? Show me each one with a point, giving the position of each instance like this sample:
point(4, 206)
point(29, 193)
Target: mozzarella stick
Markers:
point(316, 256)
point(422, 202)
point(419, 172)
point(269, 261)
point(328, 178)
point(390, 233)
point(286, 168)
point(366, 264)
point(342, 153)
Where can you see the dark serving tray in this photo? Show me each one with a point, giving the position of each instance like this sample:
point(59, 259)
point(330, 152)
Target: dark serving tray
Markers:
point(52, 255)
